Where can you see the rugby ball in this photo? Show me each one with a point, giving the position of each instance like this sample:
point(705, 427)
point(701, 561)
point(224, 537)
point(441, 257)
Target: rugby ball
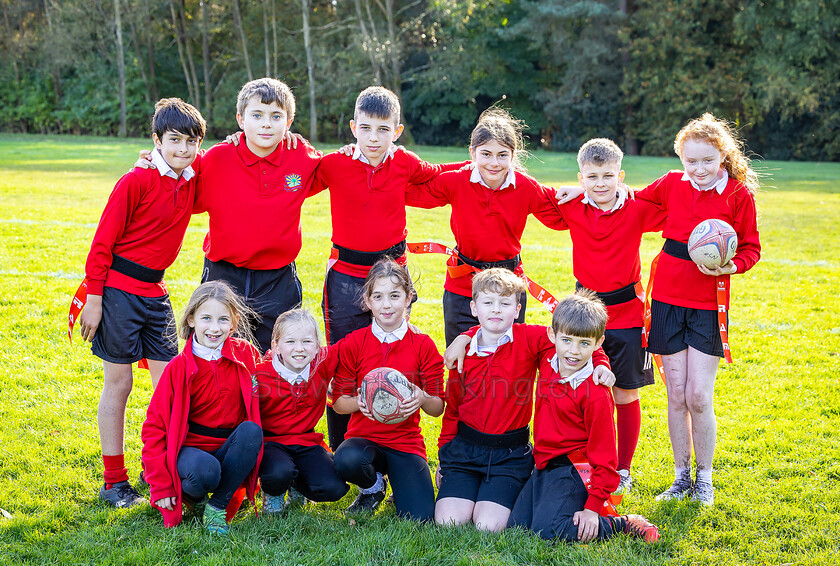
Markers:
point(383, 389)
point(712, 243)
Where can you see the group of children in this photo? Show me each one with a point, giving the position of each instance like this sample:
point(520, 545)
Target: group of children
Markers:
point(236, 410)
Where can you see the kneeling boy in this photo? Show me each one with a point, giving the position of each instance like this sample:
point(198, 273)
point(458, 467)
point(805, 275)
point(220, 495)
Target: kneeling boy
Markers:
point(573, 420)
point(128, 315)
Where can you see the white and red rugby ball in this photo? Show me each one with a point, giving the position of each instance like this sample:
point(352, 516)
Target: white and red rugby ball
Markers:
point(383, 389)
point(712, 243)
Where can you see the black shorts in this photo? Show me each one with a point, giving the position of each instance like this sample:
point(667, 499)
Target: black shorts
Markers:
point(630, 363)
point(479, 473)
point(673, 329)
point(270, 292)
point(135, 327)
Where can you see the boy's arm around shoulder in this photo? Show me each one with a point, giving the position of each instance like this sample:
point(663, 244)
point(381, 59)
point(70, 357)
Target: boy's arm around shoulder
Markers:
point(423, 171)
point(156, 430)
point(432, 193)
point(545, 208)
point(601, 451)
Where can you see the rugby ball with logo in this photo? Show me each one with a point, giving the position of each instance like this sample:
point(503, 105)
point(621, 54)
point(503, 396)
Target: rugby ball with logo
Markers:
point(383, 389)
point(712, 243)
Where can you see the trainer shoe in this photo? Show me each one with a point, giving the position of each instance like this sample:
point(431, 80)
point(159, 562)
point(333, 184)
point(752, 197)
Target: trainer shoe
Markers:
point(625, 483)
point(367, 502)
point(214, 521)
point(681, 487)
point(295, 499)
point(638, 526)
point(122, 495)
point(704, 493)
point(141, 481)
point(273, 505)
point(195, 509)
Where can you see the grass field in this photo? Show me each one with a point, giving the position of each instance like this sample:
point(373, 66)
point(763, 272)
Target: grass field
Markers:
point(778, 406)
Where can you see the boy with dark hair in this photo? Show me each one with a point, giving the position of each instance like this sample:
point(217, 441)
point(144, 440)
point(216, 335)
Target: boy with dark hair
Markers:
point(367, 189)
point(128, 316)
point(573, 423)
point(606, 230)
point(484, 449)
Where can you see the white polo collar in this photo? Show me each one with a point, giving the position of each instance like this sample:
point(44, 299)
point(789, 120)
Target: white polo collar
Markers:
point(287, 374)
point(166, 171)
point(475, 177)
point(389, 337)
point(482, 351)
point(719, 185)
point(619, 202)
point(205, 353)
point(576, 378)
point(359, 156)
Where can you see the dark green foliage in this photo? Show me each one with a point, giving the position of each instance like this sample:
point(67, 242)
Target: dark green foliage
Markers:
point(631, 70)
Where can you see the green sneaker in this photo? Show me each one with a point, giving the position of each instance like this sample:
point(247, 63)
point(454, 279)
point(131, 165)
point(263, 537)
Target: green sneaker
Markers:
point(214, 521)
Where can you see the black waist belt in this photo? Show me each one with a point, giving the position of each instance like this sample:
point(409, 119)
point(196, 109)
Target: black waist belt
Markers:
point(676, 249)
point(557, 462)
point(136, 271)
point(509, 264)
point(369, 258)
point(267, 433)
point(617, 297)
point(509, 439)
point(202, 430)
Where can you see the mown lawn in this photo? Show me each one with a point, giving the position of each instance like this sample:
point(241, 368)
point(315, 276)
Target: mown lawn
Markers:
point(778, 407)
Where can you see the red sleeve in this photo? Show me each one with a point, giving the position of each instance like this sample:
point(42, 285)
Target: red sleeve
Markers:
point(600, 448)
point(425, 171)
point(115, 217)
point(431, 194)
point(454, 397)
point(651, 216)
point(746, 226)
point(655, 192)
point(346, 378)
point(319, 182)
point(199, 205)
point(544, 206)
point(600, 358)
point(431, 369)
point(154, 433)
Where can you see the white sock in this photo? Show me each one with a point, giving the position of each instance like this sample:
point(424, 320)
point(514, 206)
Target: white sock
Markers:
point(682, 473)
point(704, 476)
point(624, 473)
point(376, 487)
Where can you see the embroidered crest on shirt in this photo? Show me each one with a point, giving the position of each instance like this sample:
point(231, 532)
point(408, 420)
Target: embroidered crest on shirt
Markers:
point(293, 182)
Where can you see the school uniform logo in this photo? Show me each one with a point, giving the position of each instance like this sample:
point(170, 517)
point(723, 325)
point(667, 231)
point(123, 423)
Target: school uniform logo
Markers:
point(293, 182)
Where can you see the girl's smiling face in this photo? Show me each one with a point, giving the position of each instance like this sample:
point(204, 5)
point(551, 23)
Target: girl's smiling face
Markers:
point(296, 346)
point(701, 161)
point(388, 302)
point(493, 161)
point(212, 323)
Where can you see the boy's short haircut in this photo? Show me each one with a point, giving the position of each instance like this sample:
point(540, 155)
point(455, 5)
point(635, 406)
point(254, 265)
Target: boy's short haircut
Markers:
point(582, 314)
point(599, 151)
point(173, 114)
point(267, 90)
point(378, 102)
point(498, 280)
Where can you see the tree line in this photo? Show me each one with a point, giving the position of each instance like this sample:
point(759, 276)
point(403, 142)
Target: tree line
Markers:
point(631, 70)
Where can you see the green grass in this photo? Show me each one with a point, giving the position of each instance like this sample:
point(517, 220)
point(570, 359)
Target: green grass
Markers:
point(777, 461)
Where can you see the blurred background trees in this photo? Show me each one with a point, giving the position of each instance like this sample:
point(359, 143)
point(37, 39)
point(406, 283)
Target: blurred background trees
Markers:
point(631, 70)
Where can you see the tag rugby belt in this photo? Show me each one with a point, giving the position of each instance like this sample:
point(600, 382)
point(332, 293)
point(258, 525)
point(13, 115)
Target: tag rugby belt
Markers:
point(584, 469)
point(619, 296)
point(367, 259)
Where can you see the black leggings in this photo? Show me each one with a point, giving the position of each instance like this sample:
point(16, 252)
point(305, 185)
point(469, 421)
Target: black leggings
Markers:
point(310, 469)
point(358, 460)
point(222, 471)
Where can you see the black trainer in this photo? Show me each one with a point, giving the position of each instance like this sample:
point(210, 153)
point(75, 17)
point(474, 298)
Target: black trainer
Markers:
point(122, 495)
point(367, 502)
point(141, 481)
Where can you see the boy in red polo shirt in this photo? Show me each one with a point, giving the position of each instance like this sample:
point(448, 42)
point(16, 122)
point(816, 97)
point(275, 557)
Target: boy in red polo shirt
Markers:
point(366, 188)
point(606, 229)
point(484, 449)
point(128, 315)
point(573, 421)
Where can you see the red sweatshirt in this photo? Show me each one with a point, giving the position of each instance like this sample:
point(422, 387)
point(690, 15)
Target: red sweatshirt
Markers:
point(605, 250)
point(495, 393)
point(677, 281)
point(254, 203)
point(289, 412)
point(567, 419)
point(144, 221)
point(361, 194)
point(415, 356)
point(487, 224)
point(165, 428)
